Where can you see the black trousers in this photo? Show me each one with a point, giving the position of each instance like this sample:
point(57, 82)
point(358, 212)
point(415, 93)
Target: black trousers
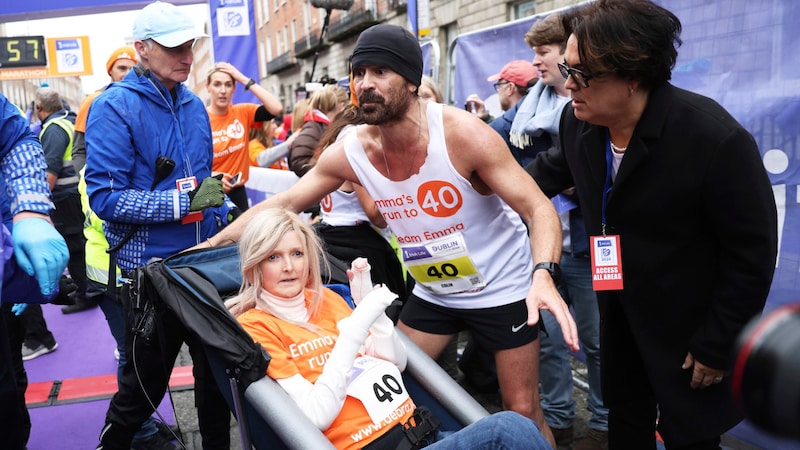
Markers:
point(146, 375)
point(15, 423)
point(68, 219)
point(35, 327)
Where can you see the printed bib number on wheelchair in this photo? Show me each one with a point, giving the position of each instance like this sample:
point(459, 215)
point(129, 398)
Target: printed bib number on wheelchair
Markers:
point(377, 384)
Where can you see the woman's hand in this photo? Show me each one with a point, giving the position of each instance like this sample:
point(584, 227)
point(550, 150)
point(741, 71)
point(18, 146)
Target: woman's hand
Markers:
point(232, 71)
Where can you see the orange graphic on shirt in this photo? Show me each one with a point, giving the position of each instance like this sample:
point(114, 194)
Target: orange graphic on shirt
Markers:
point(326, 204)
point(439, 198)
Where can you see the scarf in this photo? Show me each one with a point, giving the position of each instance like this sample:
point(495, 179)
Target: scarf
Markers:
point(539, 112)
point(318, 116)
point(291, 309)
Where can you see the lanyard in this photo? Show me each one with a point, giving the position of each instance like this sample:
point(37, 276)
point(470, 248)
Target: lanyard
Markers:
point(607, 187)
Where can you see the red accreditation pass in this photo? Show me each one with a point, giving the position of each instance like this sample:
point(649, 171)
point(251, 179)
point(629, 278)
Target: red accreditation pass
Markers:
point(186, 185)
point(606, 263)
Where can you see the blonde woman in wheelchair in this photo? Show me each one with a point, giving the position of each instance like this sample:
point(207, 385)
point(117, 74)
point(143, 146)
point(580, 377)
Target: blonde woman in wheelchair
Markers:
point(343, 366)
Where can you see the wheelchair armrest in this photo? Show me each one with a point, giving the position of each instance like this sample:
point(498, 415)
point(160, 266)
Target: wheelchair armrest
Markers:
point(283, 415)
point(453, 398)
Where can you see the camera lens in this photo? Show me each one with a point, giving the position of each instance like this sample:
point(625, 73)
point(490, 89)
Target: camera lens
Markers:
point(766, 370)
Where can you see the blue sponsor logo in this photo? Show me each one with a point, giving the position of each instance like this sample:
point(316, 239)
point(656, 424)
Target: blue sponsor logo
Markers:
point(71, 59)
point(234, 19)
point(68, 44)
point(412, 253)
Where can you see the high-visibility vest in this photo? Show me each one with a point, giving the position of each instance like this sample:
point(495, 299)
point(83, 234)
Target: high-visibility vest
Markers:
point(96, 243)
point(68, 128)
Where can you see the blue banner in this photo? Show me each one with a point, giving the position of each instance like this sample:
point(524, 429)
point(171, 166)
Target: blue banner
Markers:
point(411, 7)
point(482, 54)
point(233, 32)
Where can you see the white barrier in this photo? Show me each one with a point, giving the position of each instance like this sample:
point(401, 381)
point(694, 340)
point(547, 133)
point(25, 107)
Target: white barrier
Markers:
point(265, 183)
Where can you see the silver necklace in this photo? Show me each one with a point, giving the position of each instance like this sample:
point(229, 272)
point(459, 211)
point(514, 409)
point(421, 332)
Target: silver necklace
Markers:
point(618, 149)
point(416, 147)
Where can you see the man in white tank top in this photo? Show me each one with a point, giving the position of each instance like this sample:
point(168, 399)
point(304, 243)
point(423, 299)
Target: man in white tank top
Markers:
point(454, 195)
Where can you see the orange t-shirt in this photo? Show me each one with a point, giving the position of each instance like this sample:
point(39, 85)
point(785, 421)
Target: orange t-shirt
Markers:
point(296, 350)
point(231, 135)
point(83, 111)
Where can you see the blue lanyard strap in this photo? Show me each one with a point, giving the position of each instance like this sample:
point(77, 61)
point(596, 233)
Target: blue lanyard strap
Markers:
point(607, 187)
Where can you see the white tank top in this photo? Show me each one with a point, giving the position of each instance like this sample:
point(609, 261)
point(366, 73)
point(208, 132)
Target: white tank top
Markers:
point(464, 249)
point(342, 209)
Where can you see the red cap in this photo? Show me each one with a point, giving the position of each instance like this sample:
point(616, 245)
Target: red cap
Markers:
point(519, 72)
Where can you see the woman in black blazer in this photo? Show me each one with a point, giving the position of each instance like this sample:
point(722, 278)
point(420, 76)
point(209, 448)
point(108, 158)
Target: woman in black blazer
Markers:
point(679, 186)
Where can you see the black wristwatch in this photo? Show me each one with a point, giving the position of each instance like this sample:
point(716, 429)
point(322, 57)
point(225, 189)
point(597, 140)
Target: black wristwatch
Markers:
point(553, 268)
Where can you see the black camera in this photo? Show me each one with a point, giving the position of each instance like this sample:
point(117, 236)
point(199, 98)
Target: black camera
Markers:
point(766, 369)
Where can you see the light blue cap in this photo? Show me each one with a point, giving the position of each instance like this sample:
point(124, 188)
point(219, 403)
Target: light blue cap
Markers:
point(166, 24)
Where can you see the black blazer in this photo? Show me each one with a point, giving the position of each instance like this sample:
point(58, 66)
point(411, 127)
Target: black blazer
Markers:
point(696, 216)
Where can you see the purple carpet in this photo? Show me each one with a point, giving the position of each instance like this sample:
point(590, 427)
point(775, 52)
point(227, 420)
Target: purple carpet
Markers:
point(85, 348)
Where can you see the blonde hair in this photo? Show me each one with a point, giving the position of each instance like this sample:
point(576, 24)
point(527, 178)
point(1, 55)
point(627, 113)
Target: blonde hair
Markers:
point(328, 98)
point(214, 70)
point(259, 239)
point(263, 133)
point(430, 84)
point(299, 112)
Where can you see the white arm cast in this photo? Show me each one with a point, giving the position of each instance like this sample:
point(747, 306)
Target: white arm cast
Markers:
point(384, 343)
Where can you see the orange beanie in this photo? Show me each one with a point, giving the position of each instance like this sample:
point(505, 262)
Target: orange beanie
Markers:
point(121, 53)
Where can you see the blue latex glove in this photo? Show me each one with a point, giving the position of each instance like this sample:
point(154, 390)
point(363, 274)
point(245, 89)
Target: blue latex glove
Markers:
point(40, 251)
point(18, 308)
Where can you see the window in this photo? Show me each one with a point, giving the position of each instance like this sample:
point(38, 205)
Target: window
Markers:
point(262, 53)
point(523, 9)
point(286, 42)
point(307, 19)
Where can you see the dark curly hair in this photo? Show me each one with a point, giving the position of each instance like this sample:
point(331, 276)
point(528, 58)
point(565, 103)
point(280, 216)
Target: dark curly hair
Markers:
point(635, 39)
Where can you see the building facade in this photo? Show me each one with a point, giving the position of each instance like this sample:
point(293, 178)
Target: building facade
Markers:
point(288, 34)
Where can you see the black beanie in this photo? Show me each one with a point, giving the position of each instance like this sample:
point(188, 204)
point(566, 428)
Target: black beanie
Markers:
point(390, 46)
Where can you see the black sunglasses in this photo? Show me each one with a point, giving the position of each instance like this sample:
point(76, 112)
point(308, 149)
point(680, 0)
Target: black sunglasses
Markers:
point(581, 78)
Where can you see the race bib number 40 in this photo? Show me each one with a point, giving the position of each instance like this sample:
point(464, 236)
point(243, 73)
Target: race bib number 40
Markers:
point(443, 265)
point(378, 385)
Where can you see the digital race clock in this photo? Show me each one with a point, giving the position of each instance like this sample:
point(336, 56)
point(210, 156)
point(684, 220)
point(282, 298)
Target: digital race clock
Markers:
point(22, 51)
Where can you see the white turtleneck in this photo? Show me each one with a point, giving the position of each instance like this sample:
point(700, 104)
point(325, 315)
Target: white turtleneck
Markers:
point(291, 309)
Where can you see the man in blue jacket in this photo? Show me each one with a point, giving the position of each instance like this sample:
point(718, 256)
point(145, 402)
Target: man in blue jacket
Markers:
point(148, 176)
